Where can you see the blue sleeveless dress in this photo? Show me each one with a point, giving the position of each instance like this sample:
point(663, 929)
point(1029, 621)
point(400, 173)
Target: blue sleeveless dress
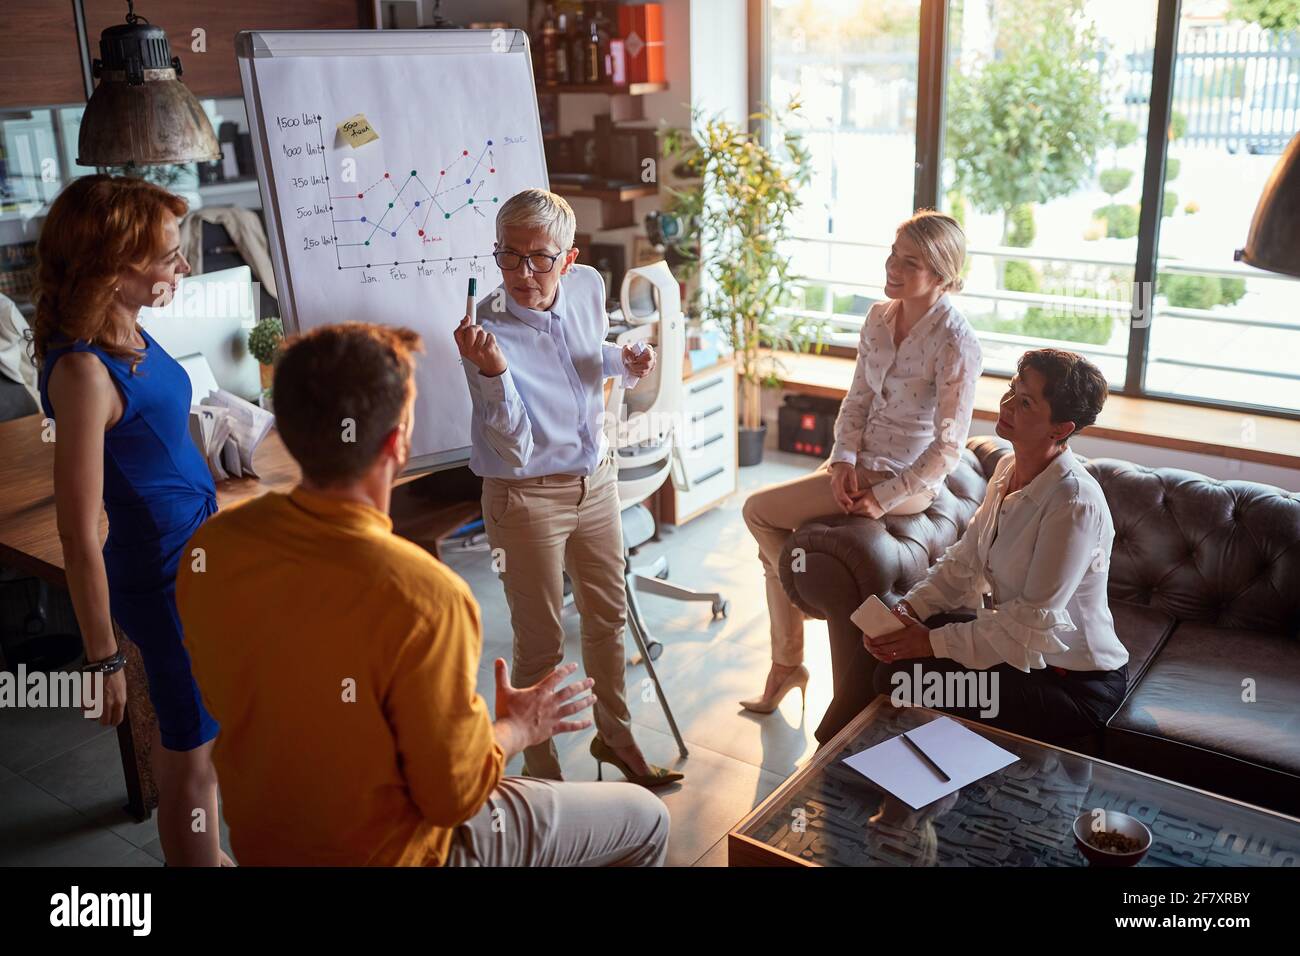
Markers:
point(157, 491)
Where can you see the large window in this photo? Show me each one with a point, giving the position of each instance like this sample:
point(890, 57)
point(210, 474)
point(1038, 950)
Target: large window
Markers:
point(852, 64)
point(1040, 154)
point(1041, 144)
point(1225, 331)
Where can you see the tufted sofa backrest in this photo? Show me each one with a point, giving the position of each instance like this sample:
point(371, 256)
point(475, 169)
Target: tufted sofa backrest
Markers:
point(1223, 553)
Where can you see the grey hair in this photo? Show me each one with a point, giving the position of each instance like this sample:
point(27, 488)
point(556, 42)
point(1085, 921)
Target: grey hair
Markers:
point(535, 208)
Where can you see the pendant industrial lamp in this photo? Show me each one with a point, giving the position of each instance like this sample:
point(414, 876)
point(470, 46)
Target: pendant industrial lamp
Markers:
point(1274, 239)
point(140, 113)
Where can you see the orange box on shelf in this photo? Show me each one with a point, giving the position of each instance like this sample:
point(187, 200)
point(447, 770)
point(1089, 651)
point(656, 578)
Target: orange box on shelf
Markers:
point(645, 53)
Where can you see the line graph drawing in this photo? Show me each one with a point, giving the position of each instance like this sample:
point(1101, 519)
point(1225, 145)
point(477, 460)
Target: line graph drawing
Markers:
point(434, 102)
point(383, 220)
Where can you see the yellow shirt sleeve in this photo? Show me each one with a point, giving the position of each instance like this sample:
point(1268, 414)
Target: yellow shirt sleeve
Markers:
point(448, 751)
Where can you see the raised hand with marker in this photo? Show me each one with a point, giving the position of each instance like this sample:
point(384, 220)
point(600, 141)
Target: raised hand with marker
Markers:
point(477, 345)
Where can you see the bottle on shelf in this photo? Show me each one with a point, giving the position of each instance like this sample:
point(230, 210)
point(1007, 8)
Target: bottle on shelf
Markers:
point(562, 62)
point(551, 42)
point(578, 41)
point(598, 67)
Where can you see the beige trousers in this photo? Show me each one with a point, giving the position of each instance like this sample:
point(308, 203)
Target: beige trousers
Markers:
point(547, 823)
point(539, 528)
point(772, 514)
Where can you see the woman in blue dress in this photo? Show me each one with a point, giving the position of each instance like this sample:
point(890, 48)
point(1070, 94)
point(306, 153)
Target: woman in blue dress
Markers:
point(120, 404)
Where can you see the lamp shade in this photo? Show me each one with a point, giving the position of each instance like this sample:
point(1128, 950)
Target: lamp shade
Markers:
point(1274, 239)
point(140, 113)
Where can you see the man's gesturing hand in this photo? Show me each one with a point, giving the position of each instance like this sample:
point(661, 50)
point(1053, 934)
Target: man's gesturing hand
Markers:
point(479, 347)
point(540, 712)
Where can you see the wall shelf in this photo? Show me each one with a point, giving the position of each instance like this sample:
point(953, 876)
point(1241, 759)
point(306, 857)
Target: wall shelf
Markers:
point(608, 89)
point(605, 194)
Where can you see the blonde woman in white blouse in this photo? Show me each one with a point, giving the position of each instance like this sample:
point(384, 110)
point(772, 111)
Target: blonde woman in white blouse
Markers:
point(900, 430)
point(1033, 563)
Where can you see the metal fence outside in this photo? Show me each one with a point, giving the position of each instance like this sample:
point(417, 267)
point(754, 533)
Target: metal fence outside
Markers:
point(1237, 87)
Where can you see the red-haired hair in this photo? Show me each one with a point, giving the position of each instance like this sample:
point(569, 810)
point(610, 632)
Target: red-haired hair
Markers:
point(98, 229)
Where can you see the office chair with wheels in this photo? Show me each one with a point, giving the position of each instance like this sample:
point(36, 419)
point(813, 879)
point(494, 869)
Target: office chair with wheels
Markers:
point(642, 427)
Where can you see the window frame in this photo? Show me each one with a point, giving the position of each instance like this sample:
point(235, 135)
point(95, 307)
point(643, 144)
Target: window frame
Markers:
point(931, 102)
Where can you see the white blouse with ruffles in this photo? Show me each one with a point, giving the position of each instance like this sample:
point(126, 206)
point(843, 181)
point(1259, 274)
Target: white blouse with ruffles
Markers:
point(1043, 554)
point(909, 407)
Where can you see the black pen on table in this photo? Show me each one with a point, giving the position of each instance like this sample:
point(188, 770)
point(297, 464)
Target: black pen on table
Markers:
point(926, 757)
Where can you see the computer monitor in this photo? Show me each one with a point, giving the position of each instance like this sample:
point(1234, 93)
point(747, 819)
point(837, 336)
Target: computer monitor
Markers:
point(212, 314)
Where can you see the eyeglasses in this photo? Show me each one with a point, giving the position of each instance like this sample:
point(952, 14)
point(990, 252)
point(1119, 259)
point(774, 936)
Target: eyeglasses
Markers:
point(538, 262)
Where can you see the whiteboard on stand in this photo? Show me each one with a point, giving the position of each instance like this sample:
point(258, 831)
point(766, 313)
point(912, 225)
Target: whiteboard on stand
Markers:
point(391, 230)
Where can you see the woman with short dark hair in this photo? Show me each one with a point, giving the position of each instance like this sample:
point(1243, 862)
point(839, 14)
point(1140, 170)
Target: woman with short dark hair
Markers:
point(1034, 562)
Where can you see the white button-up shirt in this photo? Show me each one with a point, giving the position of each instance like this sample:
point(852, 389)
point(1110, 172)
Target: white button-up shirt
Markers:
point(909, 408)
point(1043, 553)
point(543, 414)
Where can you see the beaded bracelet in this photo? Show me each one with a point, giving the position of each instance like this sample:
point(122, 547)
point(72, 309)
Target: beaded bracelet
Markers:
point(109, 665)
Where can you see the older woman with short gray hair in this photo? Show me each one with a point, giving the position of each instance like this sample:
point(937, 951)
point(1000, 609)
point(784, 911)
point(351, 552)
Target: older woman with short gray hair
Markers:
point(536, 361)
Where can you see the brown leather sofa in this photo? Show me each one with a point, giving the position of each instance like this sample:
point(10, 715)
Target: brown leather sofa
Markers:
point(1205, 593)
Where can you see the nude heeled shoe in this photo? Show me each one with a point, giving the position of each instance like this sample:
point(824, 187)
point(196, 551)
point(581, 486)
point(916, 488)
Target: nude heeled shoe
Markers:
point(796, 678)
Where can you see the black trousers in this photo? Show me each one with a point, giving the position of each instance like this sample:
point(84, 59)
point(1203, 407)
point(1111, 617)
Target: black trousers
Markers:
point(1056, 708)
point(1045, 705)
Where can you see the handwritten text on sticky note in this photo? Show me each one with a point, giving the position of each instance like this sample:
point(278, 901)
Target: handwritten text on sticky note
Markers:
point(357, 130)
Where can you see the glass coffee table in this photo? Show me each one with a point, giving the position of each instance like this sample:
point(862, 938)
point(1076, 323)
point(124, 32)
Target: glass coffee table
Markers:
point(828, 814)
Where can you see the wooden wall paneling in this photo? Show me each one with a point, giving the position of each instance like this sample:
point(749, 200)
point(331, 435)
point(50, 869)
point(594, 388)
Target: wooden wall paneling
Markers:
point(214, 73)
point(40, 64)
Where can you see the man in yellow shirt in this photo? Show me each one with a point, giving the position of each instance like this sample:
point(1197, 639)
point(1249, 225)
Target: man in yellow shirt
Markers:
point(341, 659)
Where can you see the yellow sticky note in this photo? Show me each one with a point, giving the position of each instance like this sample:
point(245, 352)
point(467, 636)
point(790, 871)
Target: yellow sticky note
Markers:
point(357, 130)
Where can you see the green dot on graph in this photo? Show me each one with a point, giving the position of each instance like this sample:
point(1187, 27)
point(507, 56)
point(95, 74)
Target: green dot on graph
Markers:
point(494, 198)
point(446, 215)
point(471, 202)
point(390, 205)
point(367, 242)
point(413, 172)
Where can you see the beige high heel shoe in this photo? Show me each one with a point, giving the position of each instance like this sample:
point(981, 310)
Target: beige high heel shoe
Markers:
point(796, 678)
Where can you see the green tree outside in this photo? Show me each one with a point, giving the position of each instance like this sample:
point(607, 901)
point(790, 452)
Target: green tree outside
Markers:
point(1270, 14)
point(1025, 127)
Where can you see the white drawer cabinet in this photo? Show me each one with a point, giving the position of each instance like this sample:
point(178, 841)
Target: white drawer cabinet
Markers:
point(708, 444)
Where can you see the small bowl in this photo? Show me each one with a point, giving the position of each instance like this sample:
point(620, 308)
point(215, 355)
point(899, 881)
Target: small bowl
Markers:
point(1115, 822)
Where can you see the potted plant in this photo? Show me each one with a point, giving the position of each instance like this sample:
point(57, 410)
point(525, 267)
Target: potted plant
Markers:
point(736, 218)
point(264, 342)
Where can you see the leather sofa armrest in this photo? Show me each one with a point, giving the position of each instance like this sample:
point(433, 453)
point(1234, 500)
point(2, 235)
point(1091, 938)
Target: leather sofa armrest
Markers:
point(830, 565)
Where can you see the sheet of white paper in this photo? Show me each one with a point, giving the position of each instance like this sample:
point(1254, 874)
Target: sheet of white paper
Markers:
point(963, 754)
point(248, 426)
point(230, 458)
point(391, 231)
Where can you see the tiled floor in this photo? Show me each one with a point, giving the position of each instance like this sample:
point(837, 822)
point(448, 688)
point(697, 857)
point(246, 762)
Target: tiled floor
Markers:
point(61, 790)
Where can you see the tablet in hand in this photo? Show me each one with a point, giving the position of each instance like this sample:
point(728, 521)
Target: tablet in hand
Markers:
point(874, 619)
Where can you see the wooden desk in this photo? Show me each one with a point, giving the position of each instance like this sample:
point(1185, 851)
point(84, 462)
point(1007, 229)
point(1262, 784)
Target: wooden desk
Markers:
point(29, 542)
